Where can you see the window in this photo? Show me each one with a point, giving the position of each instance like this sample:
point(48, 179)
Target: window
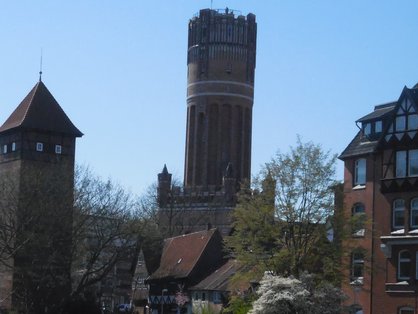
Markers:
point(360, 172)
point(406, 163)
point(357, 266)
point(358, 220)
point(414, 214)
point(398, 214)
point(367, 129)
point(13, 146)
point(378, 127)
point(58, 149)
point(406, 310)
point(216, 297)
point(400, 123)
point(203, 296)
point(404, 265)
point(356, 309)
point(39, 147)
point(4, 149)
point(413, 162)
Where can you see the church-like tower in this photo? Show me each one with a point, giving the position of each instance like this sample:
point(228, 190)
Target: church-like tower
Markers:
point(221, 63)
point(37, 149)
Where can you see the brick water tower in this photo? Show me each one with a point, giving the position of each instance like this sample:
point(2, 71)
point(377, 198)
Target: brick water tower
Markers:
point(220, 91)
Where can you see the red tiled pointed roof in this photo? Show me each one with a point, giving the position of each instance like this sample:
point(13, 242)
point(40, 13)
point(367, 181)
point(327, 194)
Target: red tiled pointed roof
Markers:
point(181, 254)
point(40, 111)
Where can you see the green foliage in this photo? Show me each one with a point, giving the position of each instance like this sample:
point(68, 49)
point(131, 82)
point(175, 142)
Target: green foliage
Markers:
point(280, 225)
point(239, 304)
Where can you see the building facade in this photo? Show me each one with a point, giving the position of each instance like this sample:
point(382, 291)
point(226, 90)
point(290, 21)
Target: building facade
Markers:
point(381, 203)
point(36, 199)
point(220, 91)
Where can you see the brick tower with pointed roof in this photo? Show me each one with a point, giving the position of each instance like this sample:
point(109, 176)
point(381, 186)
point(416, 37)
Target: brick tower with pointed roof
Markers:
point(37, 149)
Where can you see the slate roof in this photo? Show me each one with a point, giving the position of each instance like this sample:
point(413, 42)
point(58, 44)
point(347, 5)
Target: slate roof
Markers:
point(40, 111)
point(379, 112)
point(360, 145)
point(182, 253)
point(220, 279)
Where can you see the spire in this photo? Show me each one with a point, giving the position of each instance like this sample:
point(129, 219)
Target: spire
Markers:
point(165, 171)
point(40, 69)
point(40, 111)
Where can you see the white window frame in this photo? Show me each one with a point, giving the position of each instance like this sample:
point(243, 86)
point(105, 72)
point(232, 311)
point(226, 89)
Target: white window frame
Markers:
point(403, 260)
point(5, 149)
point(360, 171)
point(58, 149)
point(360, 231)
point(13, 146)
point(398, 206)
point(405, 309)
point(39, 147)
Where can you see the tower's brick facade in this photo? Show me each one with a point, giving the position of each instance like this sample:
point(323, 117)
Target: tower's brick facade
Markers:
point(220, 90)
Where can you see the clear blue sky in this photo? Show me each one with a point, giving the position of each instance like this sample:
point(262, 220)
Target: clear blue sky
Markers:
point(118, 68)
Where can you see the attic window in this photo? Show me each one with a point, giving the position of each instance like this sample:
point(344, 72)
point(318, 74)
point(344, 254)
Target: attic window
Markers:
point(378, 127)
point(39, 147)
point(367, 129)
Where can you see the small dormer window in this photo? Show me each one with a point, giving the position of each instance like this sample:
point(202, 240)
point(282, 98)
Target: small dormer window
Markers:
point(58, 149)
point(39, 147)
point(367, 129)
point(13, 146)
point(4, 149)
point(378, 127)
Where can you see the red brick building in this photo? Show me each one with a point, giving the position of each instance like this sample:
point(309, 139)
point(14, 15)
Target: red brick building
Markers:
point(381, 203)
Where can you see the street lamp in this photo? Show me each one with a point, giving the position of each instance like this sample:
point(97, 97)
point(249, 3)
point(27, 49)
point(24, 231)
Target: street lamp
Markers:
point(162, 300)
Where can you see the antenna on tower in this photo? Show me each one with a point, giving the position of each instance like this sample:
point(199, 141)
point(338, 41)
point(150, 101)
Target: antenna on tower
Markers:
point(40, 68)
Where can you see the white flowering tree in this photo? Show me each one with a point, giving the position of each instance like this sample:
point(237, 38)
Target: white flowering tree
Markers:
point(289, 295)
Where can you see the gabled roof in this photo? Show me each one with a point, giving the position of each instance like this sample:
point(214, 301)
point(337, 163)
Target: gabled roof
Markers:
point(40, 111)
point(220, 279)
point(362, 145)
point(182, 253)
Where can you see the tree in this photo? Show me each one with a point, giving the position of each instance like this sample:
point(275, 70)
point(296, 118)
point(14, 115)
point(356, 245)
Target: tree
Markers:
point(105, 230)
point(280, 224)
point(289, 295)
point(55, 236)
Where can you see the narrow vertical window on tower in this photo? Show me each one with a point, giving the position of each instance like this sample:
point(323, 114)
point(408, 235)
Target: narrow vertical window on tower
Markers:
point(13, 146)
point(58, 149)
point(357, 267)
point(5, 149)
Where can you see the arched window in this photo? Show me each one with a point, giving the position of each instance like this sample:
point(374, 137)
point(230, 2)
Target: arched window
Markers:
point(404, 265)
point(360, 172)
point(398, 214)
point(358, 220)
point(356, 309)
point(414, 214)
